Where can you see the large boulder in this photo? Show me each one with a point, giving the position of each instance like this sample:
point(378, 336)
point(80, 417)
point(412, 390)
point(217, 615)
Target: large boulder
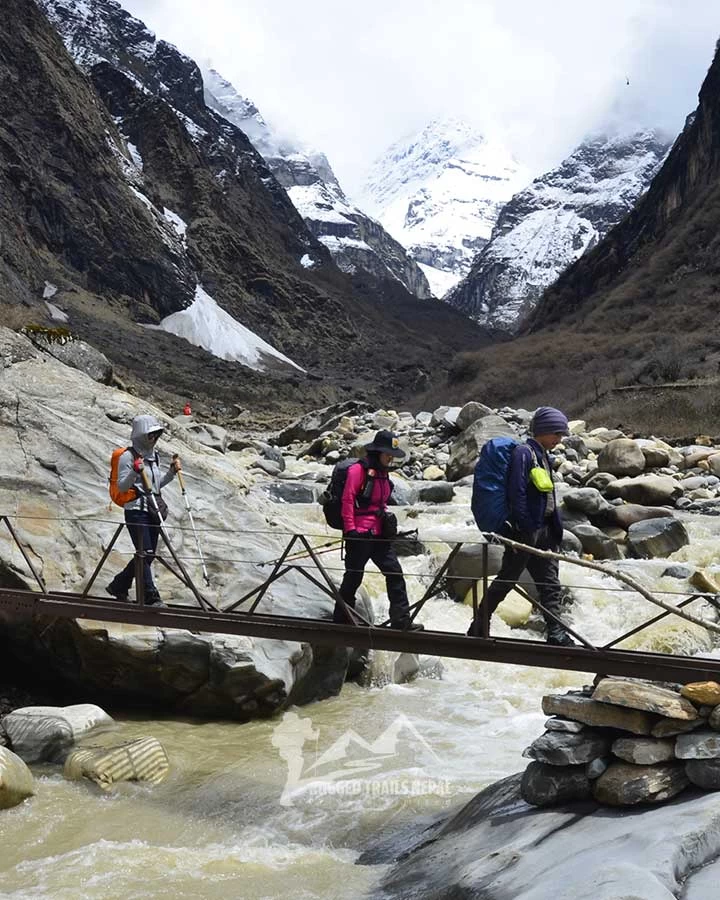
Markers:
point(466, 448)
point(83, 357)
point(470, 413)
point(647, 490)
point(496, 848)
point(621, 456)
point(466, 567)
point(16, 781)
point(586, 500)
point(628, 514)
point(596, 542)
point(46, 733)
point(314, 423)
point(656, 537)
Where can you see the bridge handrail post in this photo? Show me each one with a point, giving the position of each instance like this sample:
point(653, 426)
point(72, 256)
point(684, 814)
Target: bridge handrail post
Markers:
point(40, 580)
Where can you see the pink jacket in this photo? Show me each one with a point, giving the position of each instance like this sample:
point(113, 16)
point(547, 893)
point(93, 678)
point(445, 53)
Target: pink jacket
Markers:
point(364, 519)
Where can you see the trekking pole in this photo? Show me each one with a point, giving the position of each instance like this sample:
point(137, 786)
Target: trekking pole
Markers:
point(204, 604)
point(192, 524)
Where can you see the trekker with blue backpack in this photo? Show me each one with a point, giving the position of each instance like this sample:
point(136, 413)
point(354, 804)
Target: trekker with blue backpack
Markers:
point(514, 496)
point(368, 529)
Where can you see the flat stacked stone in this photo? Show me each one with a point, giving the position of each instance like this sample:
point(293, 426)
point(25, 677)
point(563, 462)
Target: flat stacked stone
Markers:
point(671, 739)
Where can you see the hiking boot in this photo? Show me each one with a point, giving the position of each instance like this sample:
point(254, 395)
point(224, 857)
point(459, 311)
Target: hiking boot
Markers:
point(407, 625)
point(121, 596)
point(559, 637)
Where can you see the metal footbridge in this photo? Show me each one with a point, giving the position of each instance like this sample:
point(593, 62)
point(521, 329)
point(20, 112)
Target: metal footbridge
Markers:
point(242, 617)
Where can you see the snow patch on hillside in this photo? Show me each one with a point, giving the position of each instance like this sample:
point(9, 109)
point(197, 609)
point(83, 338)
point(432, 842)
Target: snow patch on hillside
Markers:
point(207, 325)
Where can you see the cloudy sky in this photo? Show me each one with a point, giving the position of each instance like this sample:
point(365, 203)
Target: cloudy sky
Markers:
point(350, 79)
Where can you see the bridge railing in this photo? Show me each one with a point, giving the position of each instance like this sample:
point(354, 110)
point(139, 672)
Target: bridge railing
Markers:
point(302, 557)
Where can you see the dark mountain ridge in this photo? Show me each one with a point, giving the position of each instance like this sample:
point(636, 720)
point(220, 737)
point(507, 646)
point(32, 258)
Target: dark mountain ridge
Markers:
point(79, 210)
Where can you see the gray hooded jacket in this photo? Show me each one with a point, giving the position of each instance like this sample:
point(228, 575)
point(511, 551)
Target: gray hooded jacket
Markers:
point(142, 426)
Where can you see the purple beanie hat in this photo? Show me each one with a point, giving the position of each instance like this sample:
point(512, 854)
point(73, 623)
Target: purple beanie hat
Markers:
point(548, 420)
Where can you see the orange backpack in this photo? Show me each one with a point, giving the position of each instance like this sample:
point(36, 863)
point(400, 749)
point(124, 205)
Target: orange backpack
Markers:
point(116, 495)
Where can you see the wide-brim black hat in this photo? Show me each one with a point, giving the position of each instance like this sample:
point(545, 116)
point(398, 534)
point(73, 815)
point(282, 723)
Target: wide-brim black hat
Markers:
point(385, 442)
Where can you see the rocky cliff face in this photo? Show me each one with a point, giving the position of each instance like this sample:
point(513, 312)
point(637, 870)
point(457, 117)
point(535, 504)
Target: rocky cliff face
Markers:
point(354, 240)
point(439, 193)
point(128, 200)
point(553, 221)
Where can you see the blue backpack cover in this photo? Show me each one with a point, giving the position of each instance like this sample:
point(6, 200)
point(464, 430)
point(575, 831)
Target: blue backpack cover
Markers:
point(489, 496)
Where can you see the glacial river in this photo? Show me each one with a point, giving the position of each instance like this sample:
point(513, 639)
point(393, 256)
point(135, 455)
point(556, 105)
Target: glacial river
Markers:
point(232, 821)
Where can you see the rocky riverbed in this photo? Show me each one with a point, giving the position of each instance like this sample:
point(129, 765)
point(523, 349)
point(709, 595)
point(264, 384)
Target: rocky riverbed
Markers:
point(638, 505)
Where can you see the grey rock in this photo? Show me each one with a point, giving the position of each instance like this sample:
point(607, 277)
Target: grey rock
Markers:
point(314, 423)
point(208, 435)
point(435, 492)
point(621, 456)
point(466, 567)
point(570, 543)
point(424, 419)
point(470, 413)
point(624, 784)
point(466, 448)
point(599, 480)
point(545, 785)
point(595, 768)
point(698, 745)
point(678, 572)
point(644, 751)
point(83, 357)
point(268, 466)
point(292, 491)
point(626, 514)
point(567, 725)
point(648, 490)
point(644, 695)
point(602, 715)
point(714, 720)
point(586, 500)
point(704, 773)
point(655, 457)
point(654, 538)
point(596, 542)
point(561, 749)
point(673, 727)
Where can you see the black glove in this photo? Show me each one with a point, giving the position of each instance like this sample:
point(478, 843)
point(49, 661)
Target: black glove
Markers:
point(352, 535)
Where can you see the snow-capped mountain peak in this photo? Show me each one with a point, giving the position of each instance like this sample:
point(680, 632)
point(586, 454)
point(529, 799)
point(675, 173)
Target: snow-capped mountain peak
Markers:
point(439, 193)
point(553, 221)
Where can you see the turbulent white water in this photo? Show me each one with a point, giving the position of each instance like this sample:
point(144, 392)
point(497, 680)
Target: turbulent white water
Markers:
point(217, 828)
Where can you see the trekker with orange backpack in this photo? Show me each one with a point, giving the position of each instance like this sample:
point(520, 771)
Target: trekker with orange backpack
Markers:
point(135, 484)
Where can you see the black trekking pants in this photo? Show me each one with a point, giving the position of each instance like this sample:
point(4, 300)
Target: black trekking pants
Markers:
point(358, 552)
point(544, 572)
point(144, 532)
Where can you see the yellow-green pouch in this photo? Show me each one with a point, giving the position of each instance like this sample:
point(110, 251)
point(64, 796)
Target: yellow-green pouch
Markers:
point(541, 480)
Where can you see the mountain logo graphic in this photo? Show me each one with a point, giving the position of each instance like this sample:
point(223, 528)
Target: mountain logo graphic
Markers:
point(349, 756)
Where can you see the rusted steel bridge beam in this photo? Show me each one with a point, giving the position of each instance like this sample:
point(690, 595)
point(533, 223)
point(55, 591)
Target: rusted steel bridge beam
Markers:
point(656, 666)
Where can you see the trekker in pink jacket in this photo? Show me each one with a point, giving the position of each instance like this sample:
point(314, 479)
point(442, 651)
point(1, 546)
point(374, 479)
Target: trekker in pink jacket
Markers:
point(364, 502)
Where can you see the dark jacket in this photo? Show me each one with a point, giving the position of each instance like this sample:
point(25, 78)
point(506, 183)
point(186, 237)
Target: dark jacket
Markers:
point(527, 503)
